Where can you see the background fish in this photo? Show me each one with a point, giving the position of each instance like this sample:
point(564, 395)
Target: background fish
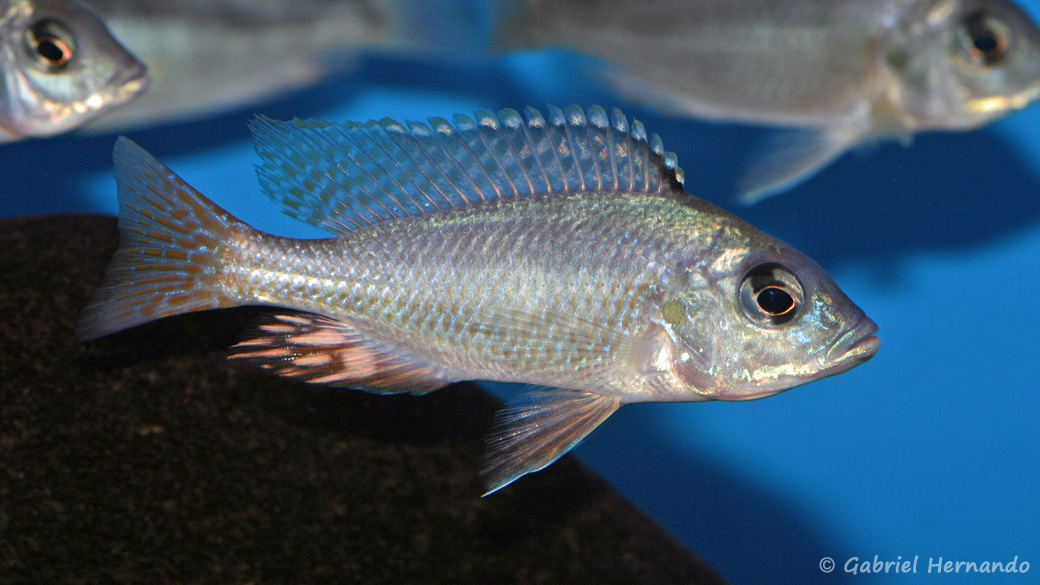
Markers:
point(59, 68)
point(845, 72)
point(560, 252)
point(208, 56)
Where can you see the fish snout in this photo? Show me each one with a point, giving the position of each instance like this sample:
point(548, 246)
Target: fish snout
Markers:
point(855, 346)
point(131, 81)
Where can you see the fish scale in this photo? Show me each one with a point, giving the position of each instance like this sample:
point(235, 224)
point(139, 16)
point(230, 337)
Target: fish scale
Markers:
point(450, 253)
point(558, 252)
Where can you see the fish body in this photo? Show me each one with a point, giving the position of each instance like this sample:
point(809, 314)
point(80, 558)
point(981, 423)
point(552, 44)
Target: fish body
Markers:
point(60, 67)
point(561, 253)
point(840, 72)
point(209, 56)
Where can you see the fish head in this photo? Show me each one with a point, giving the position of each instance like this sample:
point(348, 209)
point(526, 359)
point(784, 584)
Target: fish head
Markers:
point(61, 67)
point(758, 318)
point(968, 63)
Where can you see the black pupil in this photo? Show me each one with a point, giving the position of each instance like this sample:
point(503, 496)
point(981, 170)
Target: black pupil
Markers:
point(990, 42)
point(775, 301)
point(50, 50)
point(985, 41)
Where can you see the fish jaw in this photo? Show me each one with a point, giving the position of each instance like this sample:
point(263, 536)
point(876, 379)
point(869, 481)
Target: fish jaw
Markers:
point(990, 107)
point(48, 117)
point(853, 348)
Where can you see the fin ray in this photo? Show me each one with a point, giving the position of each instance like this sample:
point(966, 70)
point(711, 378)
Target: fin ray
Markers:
point(340, 176)
point(538, 428)
point(791, 157)
point(321, 350)
point(169, 251)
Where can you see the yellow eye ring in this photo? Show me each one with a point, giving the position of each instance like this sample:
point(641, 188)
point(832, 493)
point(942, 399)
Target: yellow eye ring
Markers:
point(983, 40)
point(51, 44)
point(771, 294)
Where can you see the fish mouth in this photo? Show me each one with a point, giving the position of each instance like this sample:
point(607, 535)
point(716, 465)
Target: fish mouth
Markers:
point(131, 83)
point(1000, 104)
point(852, 348)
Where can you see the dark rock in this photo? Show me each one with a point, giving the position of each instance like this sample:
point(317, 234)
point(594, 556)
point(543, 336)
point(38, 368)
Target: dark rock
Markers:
point(147, 457)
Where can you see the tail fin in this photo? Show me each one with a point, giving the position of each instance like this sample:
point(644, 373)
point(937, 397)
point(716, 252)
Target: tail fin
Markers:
point(170, 240)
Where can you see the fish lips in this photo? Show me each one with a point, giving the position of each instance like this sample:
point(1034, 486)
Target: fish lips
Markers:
point(132, 81)
point(851, 349)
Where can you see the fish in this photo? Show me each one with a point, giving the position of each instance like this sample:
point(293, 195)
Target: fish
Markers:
point(208, 57)
point(829, 75)
point(60, 67)
point(560, 252)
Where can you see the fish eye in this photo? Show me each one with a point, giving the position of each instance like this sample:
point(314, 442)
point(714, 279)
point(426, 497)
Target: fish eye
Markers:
point(983, 39)
point(771, 294)
point(51, 44)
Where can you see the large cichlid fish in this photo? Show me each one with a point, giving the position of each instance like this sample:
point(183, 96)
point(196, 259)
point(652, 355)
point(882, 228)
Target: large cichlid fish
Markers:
point(559, 252)
point(209, 56)
point(60, 68)
point(841, 72)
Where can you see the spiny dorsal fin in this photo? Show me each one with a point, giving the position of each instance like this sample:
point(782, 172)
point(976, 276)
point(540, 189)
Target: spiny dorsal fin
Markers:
point(538, 428)
point(321, 350)
point(340, 176)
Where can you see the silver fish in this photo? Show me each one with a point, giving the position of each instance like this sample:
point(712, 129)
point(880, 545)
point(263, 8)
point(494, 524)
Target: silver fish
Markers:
point(209, 56)
point(59, 68)
point(843, 72)
point(559, 252)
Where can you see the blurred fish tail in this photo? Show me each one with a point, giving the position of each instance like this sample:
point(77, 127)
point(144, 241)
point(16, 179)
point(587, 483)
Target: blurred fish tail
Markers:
point(169, 256)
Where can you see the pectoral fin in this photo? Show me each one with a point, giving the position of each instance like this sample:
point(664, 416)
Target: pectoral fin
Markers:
point(537, 429)
point(792, 157)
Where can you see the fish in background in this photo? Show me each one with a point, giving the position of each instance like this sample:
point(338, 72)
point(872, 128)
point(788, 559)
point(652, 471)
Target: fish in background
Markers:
point(60, 67)
point(559, 252)
point(209, 56)
point(837, 73)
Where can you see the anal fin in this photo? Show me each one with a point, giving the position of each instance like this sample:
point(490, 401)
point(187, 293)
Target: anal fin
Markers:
point(320, 350)
point(538, 428)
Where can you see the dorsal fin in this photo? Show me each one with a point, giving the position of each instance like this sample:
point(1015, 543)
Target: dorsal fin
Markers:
point(341, 176)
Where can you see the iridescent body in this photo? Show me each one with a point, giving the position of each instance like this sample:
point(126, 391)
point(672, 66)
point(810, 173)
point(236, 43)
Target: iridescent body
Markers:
point(845, 72)
point(59, 68)
point(560, 252)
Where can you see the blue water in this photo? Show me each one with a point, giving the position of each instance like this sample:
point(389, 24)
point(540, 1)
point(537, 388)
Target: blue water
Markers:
point(929, 450)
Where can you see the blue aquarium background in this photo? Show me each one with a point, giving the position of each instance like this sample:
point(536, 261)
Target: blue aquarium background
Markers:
point(931, 449)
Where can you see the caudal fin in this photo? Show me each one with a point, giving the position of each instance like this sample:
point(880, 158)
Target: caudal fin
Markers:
point(170, 242)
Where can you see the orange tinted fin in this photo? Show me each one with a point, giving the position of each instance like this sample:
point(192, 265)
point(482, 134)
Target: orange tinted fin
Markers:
point(170, 240)
point(537, 429)
point(321, 350)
